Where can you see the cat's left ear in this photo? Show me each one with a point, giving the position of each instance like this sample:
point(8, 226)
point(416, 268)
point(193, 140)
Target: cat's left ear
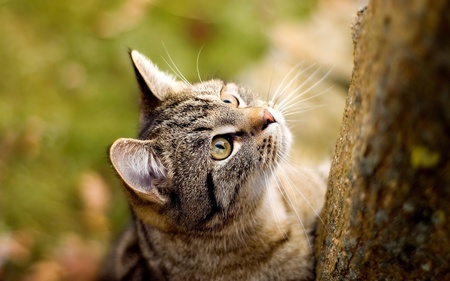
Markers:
point(139, 167)
point(152, 81)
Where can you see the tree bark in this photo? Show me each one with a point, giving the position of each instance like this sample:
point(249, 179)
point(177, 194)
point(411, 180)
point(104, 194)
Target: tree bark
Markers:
point(387, 210)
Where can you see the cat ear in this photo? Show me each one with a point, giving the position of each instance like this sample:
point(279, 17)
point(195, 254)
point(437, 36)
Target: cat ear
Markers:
point(138, 167)
point(152, 81)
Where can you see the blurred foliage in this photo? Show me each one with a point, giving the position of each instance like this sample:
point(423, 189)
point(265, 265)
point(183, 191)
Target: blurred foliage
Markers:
point(67, 91)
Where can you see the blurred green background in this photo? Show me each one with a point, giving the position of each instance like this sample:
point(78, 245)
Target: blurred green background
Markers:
point(67, 91)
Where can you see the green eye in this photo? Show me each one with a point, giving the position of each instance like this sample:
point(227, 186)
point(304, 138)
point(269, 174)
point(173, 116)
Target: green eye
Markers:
point(220, 148)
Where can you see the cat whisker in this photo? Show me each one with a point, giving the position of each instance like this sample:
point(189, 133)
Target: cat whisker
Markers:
point(293, 204)
point(272, 205)
point(289, 166)
point(270, 85)
point(300, 106)
point(289, 96)
point(177, 73)
point(174, 67)
point(294, 102)
point(196, 64)
point(309, 77)
point(300, 109)
point(287, 101)
point(297, 121)
point(279, 94)
point(282, 87)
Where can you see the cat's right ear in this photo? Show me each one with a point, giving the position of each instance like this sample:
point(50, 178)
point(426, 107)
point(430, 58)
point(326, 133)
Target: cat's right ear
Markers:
point(139, 167)
point(153, 82)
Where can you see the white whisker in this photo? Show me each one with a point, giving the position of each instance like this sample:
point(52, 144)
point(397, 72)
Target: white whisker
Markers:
point(294, 103)
point(289, 200)
point(291, 183)
point(274, 211)
point(290, 96)
point(287, 102)
point(270, 85)
point(174, 67)
point(281, 87)
point(196, 63)
point(178, 74)
point(287, 99)
point(301, 109)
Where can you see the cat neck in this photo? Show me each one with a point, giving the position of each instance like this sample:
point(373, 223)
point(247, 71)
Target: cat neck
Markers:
point(240, 252)
point(265, 224)
point(269, 243)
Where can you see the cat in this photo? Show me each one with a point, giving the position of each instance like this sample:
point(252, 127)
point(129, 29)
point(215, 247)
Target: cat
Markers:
point(211, 192)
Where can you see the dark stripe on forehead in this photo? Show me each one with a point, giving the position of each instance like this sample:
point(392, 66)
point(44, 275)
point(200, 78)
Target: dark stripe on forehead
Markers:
point(190, 113)
point(186, 113)
point(202, 129)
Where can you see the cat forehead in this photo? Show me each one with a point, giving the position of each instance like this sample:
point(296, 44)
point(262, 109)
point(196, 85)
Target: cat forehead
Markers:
point(216, 88)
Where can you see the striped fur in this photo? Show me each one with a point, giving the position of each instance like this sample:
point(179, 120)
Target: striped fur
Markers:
point(248, 216)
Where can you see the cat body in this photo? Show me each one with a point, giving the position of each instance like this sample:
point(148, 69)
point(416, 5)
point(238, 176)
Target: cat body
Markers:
point(210, 190)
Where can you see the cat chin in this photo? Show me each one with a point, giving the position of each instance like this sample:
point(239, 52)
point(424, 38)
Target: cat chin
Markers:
point(287, 140)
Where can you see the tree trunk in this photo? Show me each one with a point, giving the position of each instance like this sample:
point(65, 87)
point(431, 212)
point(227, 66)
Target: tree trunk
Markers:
point(387, 211)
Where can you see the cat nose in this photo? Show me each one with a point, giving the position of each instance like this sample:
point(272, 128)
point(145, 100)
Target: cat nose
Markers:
point(267, 118)
point(256, 119)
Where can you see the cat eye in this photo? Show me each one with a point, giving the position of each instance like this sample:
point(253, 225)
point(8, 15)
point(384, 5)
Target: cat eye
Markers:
point(221, 148)
point(230, 99)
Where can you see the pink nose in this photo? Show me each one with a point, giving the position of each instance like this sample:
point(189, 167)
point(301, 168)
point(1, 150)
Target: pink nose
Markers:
point(267, 118)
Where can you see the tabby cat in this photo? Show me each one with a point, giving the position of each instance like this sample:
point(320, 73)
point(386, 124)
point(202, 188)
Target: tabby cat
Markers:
point(211, 193)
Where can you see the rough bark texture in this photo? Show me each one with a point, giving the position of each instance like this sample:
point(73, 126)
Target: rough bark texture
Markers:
point(387, 212)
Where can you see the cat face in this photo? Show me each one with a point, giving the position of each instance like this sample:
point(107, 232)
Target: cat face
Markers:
point(204, 155)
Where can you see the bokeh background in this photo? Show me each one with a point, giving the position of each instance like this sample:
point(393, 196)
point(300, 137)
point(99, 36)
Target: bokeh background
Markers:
point(67, 91)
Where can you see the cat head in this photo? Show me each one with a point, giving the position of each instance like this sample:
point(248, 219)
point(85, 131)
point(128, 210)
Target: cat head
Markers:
point(205, 151)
